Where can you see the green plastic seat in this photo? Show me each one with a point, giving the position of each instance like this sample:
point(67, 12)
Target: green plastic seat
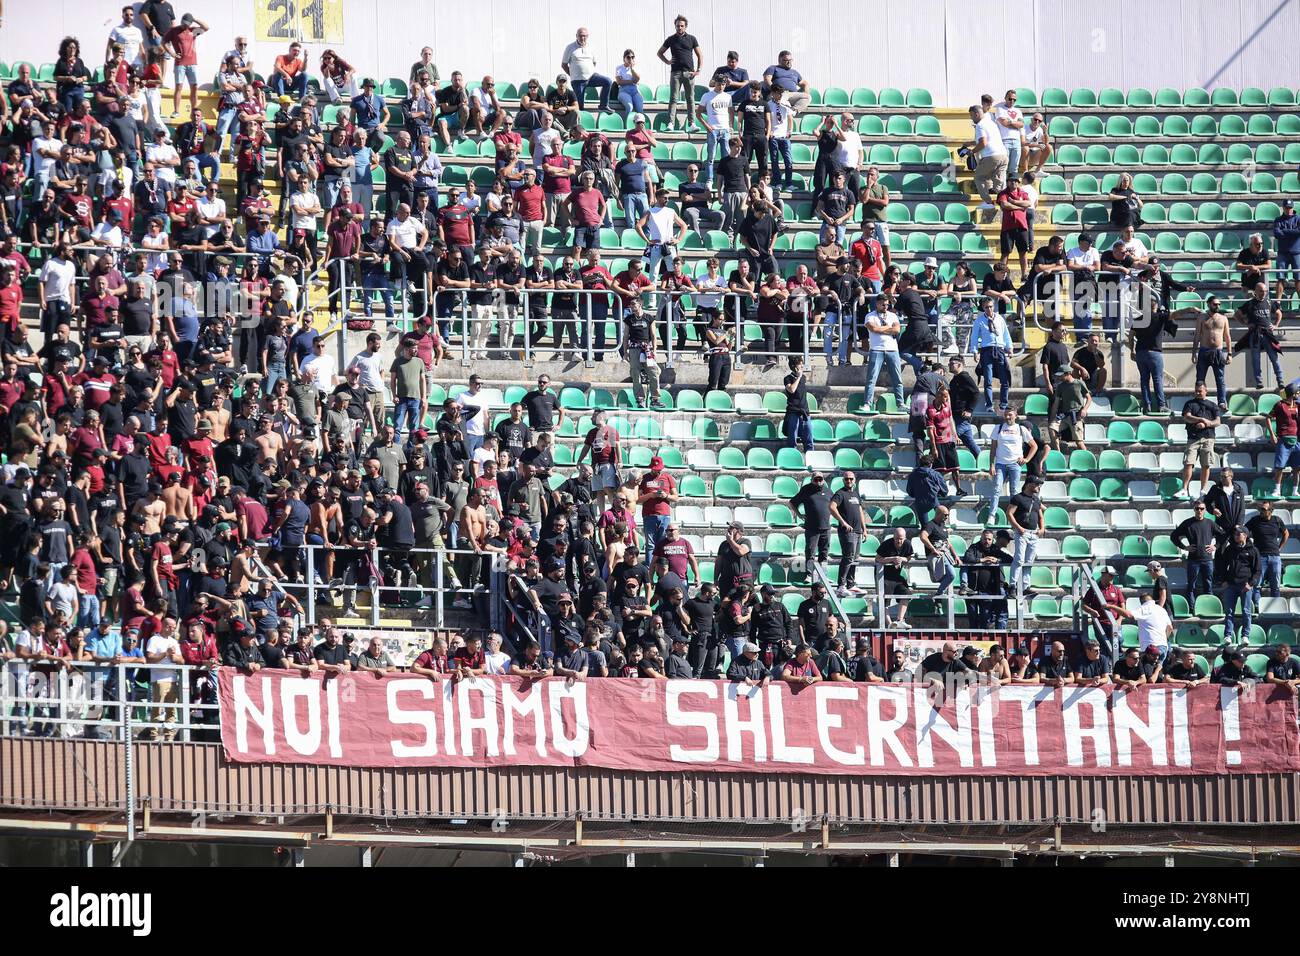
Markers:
point(1037, 404)
point(1054, 98)
point(1111, 460)
point(1083, 489)
point(1114, 489)
point(1120, 433)
point(789, 459)
point(1208, 605)
point(1152, 433)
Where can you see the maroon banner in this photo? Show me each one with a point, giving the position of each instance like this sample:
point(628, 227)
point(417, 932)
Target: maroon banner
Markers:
point(833, 728)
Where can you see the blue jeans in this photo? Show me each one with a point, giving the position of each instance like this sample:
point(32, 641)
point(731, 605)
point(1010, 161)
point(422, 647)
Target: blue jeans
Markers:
point(891, 361)
point(88, 613)
point(598, 82)
point(949, 575)
point(1200, 578)
point(209, 164)
point(274, 372)
point(1204, 364)
point(993, 364)
point(634, 206)
point(1231, 594)
point(377, 282)
point(1010, 473)
point(631, 99)
point(1151, 373)
point(1026, 549)
point(1257, 375)
point(1271, 574)
point(1013, 157)
point(406, 408)
point(844, 321)
point(655, 527)
point(227, 120)
point(912, 359)
point(778, 150)
point(966, 435)
point(297, 86)
point(715, 147)
point(797, 428)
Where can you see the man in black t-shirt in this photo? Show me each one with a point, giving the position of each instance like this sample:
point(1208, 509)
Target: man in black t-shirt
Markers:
point(1129, 672)
point(733, 173)
point(815, 500)
point(1053, 669)
point(1283, 669)
point(684, 60)
point(755, 127)
point(1270, 535)
point(796, 426)
point(864, 668)
point(893, 556)
point(1093, 669)
point(544, 411)
point(1186, 671)
point(846, 509)
point(812, 618)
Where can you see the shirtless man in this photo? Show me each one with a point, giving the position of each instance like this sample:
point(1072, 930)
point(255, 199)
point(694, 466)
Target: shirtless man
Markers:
point(473, 534)
point(178, 500)
point(1213, 348)
point(326, 513)
point(153, 508)
point(218, 416)
point(270, 443)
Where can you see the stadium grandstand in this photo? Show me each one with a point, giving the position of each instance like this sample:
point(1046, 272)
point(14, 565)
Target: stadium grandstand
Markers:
point(658, 358)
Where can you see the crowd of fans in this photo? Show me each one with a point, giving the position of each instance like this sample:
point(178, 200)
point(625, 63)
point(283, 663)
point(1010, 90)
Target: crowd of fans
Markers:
point(181, 433)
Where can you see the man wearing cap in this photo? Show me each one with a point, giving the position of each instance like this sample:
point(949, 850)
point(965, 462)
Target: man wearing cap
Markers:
point(1238, 569)
point(370, 113)
point(656, 495)
point(1014, 203)
point(571, 661)
point(1025, 514)
point(1233, 671)
point(747, 669)
point(1197, 536)
point(1022, 666)
point(1104, 604)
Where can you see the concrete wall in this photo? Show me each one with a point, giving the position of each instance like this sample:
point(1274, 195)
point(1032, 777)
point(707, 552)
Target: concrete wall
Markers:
point(955, 48)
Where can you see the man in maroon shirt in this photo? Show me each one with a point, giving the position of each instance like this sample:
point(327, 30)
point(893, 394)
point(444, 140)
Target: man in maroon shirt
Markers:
point(1283, 422)
point(679, 554)
point(456, 225)
point(531, 204)
point(586, 213)
point(656, 495)
point(557, 183)
point(342, 242)
point(1107, 612)
point(594, 308)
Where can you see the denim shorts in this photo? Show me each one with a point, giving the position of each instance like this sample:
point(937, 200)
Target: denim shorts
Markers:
point(1287, 455)
point(188, 73)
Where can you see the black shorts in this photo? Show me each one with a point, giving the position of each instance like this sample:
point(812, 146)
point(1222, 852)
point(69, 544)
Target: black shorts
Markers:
point(945, 458)
point(1014, 238)
point(895, 587)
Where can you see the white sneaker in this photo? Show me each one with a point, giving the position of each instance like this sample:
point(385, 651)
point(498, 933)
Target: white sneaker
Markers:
point(902, 626)
point(350, 611)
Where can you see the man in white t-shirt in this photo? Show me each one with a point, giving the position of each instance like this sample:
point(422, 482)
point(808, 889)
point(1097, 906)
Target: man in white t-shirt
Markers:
point(663, 230)
point(545, 134)
point(164, 157)
point(129, 34)
point(579, 61)
point(318, 368)
point(212, 209)
point(778, 142)
point(305, 207)
point(56, 291)
point(1011, 449)
point(884, 327)
point(991, 157)
point(1153, 624)
point(495, 661)
point(407, 236)
point(717, 113)
point(476, 424)
point(46, 150)
point(1011, 124)
point(849, 153)
point(1135, 247)
point(163, 648)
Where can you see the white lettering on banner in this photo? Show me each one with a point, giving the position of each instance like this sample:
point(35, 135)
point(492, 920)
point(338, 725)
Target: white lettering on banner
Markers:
point(560, 691)
point(987, 700)
point(523, 706)
point(930, 723)
point(447, 691)
point(1029, 698)
point(735, 726)
point(828, 721)
point(1182, 735)
point(776, 713)
point(1128, 725)
point(680, 718)
point(881, 731)
point(263, 717)
point(291, 689)
point(1231, 724)
point(1072, 704)
point(332, 712)
point(420, 718)
point(487, 695)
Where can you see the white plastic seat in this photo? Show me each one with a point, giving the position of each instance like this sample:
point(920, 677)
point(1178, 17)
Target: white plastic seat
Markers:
point(1179, 515)
point(1177, 433)
point(1106, 548)
point(1248, 432)
point(690, 515)
point(1094, 434)
point(489, 398)
point(1126, 519)
point(750, 517)
point(678, 429)
point(966, 518)
point(695, 541)
point(899, 432)
point(1239, 461)
point(1143, 462)
point(1295, 606)
point(749, 403)
point(873, 489)
point(1049, 547)
point(1171, 462)
point(1292, 547)
point(711, 544)
point(1100, 407)
point(757, 489)
point(919, 578)
point(898, 490)
point(1091, 519)
point(1223, 435)
point(903, 459)
point(719, 516)
point(1157, 519)
point(819, 460)
point(1274, 606)
point(1055, 491)
point(702, 459)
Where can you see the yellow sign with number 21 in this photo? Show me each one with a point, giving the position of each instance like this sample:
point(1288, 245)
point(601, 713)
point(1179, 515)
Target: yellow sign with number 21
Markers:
point(310, 21)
